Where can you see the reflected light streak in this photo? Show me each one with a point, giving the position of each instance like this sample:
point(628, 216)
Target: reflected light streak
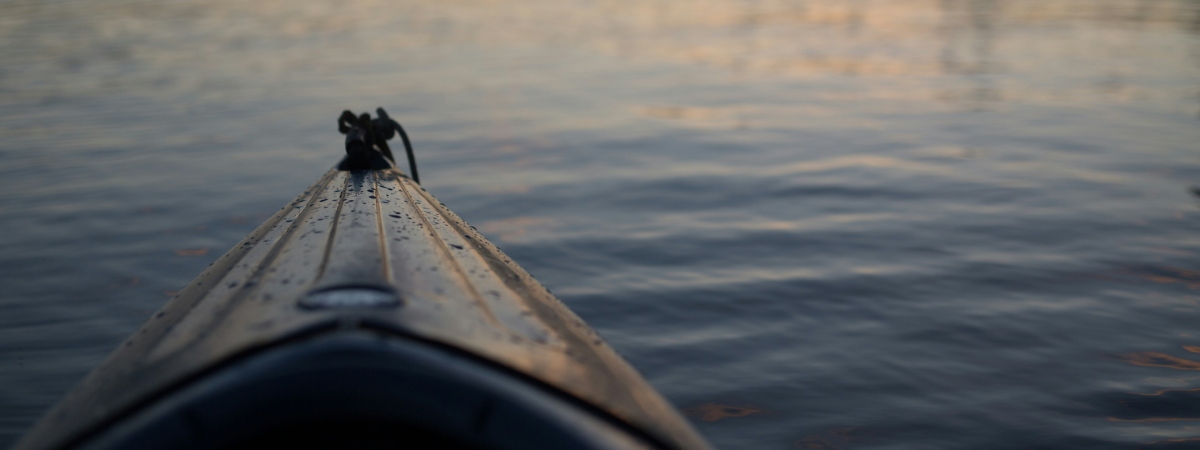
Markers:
point(712, 412)
point(836, 439)
point(679, 112)
point(1173, 441)
point(1154, 419)
point(1164, 391)
point(861, 161)
point(510, 230)
point(1159, 359)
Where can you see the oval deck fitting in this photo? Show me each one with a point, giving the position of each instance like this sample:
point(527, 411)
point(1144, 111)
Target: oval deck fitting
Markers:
point(350, 297)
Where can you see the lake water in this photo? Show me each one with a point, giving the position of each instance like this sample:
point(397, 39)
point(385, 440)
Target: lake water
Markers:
point(833, 224)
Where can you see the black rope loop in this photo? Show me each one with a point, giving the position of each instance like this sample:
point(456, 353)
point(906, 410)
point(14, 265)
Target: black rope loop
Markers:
point(364, 134)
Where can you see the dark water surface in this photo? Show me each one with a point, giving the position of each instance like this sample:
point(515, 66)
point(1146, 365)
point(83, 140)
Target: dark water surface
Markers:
point(822, 224)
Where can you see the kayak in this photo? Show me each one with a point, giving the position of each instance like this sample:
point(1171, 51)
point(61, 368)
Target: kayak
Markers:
point(364, 314)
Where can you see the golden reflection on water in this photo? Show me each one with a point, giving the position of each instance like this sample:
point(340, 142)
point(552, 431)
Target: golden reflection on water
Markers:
point(898, 40)
point(1172, 395)
point(1155, 419)
point(712, 412)
point(1173, 441)
point(835, 438)
point(864, 161)
point(679, 112)
point(1164, 391)
point(516, 228)
point(1159, 359)
point(704, 117)
point(1186, 278)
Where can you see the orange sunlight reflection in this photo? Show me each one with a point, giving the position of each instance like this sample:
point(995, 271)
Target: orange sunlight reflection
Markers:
point(1159, 359)
point(510, 230)
point(712, 412)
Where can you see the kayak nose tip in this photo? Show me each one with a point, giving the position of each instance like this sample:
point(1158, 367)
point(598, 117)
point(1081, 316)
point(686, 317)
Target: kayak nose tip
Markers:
point(351, 297)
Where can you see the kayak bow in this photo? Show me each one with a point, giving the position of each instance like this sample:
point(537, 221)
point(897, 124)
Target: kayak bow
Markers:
point(364, 313)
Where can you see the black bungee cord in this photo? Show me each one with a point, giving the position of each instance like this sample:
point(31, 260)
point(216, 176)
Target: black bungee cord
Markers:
point(364, 134)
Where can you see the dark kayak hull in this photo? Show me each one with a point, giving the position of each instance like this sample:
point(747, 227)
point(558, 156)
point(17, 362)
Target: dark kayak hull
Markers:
point(365, 263)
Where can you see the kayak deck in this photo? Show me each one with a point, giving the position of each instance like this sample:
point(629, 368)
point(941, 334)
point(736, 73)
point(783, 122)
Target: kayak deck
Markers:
point(371, 253)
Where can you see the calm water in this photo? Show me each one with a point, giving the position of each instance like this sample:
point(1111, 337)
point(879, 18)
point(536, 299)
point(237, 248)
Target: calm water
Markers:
point(822, 224)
